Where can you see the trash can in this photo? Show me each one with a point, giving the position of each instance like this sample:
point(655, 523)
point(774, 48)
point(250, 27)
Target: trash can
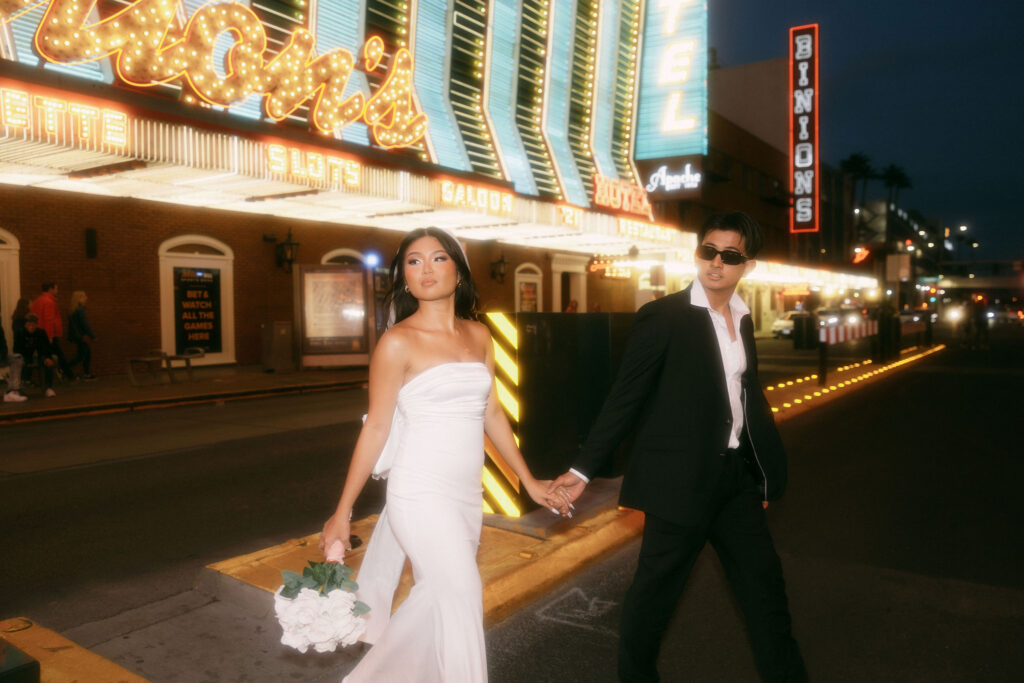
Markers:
point(278, 354)
point(805, 332)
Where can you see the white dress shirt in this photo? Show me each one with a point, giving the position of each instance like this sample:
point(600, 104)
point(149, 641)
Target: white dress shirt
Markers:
point(734, 357)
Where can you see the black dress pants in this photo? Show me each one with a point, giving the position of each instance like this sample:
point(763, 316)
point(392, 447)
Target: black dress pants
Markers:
point(736, 527)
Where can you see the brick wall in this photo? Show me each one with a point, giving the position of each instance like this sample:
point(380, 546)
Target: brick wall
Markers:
point(123, 280)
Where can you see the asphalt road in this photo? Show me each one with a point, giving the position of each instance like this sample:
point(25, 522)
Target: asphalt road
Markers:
point(902, 538)
point(901, 534)
point(180, 489)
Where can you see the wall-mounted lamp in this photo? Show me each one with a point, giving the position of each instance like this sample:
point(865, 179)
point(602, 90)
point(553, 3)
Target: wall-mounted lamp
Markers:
point(286, 252)
point(498, 269)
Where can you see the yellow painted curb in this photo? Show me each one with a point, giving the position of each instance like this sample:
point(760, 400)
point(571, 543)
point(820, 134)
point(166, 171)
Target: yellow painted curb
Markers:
point(515, 568)
point(61, 660)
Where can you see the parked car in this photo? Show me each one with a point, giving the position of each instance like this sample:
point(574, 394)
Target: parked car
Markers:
point(783, 326)
point(914, 316)
point(998, 315)
point(828, 317)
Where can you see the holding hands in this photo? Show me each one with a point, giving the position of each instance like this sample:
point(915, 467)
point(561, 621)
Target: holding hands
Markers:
point(567, 487)
point(542, 494)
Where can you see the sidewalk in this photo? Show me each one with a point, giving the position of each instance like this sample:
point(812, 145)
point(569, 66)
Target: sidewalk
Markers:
point(225, 629)
point(114, 393)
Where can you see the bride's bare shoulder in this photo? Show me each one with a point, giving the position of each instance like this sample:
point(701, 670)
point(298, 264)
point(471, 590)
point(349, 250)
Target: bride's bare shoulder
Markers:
point(479, 332)
point(395, 342)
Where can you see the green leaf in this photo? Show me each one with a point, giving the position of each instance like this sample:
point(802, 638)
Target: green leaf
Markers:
point(360, 608)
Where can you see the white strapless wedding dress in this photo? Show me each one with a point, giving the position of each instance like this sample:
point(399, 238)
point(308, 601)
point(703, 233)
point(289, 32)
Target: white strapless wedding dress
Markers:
point(433, 515)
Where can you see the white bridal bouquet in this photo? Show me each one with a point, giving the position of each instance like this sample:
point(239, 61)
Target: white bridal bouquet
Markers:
point(319, 608)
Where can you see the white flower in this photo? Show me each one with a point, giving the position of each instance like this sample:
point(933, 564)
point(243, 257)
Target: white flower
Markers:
point(320, 621)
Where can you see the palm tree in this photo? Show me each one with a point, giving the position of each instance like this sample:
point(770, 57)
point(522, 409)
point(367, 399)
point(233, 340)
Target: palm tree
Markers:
point(858, 166)
point(895, 179)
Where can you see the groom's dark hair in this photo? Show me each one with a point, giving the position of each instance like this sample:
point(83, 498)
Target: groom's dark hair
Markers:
point(735, 221)
point(405, 304)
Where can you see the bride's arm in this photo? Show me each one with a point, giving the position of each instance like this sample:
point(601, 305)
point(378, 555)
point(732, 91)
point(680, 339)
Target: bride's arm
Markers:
point(498, 429)
point(387, 372)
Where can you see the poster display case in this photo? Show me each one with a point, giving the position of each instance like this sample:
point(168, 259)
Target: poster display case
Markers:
point(335, 312)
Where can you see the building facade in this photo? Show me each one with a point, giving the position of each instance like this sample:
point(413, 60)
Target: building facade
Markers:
point(203, 171)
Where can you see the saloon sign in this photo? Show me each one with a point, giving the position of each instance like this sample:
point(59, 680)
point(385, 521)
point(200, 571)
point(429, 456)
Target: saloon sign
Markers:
point(804, 98)
point(146, 47)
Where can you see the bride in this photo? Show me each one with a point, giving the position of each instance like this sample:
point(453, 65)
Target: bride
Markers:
point(432, 398)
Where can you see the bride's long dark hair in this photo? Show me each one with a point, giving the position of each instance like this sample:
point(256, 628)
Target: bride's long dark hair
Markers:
point(404, 304)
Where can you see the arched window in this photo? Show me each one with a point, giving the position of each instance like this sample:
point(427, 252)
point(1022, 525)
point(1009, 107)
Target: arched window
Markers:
point(197, 297)
point(529, 288)
point(342, 256)
point(10, 281)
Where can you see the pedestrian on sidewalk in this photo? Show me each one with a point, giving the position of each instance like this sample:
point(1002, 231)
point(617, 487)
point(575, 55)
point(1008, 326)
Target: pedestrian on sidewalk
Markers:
point(81, 334)
point(22, 309)
point(14, 363)
point(50, 321)
point(34, 346)
point(706, 457)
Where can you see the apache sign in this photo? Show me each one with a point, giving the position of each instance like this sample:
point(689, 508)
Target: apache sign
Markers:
point(146, 48)
point(805, 95)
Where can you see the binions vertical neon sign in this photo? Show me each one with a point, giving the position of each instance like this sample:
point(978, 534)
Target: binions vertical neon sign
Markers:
point(804, 152)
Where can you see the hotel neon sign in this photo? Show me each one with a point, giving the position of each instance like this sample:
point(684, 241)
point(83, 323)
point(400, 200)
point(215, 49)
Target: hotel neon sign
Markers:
point(146, 49)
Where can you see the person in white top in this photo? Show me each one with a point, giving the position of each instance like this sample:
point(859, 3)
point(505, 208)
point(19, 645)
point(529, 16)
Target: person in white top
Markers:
point(706, 456)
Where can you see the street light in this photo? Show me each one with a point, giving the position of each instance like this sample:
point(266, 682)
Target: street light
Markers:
point(963, 228)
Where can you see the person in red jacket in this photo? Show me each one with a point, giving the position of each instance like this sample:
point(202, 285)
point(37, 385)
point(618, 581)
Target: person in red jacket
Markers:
point(46, 309)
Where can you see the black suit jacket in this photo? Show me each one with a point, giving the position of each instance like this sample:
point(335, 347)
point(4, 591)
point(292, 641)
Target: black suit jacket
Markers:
point(671, 391)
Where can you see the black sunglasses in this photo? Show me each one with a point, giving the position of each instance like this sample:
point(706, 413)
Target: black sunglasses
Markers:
point(730, 258)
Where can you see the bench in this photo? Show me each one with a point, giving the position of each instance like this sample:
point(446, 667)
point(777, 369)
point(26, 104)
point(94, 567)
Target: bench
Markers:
point(152, 361)
point(186, 357)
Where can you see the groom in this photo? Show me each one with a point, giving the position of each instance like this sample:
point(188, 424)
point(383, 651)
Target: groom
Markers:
point(706, 458)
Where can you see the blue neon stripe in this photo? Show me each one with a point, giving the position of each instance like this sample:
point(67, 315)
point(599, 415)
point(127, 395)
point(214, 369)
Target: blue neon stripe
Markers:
point(556, 121)
point(651, 141)
point(602, 116)
point(501, 93)
point(433, 67)
point(340, 24)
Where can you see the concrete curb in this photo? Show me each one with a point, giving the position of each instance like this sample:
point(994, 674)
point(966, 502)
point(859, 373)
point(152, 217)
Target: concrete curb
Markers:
point(61, 660)
point(30, 415)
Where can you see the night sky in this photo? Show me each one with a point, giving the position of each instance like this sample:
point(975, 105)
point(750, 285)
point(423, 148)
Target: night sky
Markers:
point(934, 87)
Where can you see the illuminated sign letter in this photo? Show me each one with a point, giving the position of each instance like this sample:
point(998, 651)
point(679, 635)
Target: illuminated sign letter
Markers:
point(15, 110)
point(115, 128)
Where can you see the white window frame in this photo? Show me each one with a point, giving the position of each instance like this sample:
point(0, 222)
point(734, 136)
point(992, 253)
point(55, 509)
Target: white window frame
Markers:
point(334, 253)
point(577, 267)
point(225, 263)
point(10, 281)
point(529, 272)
